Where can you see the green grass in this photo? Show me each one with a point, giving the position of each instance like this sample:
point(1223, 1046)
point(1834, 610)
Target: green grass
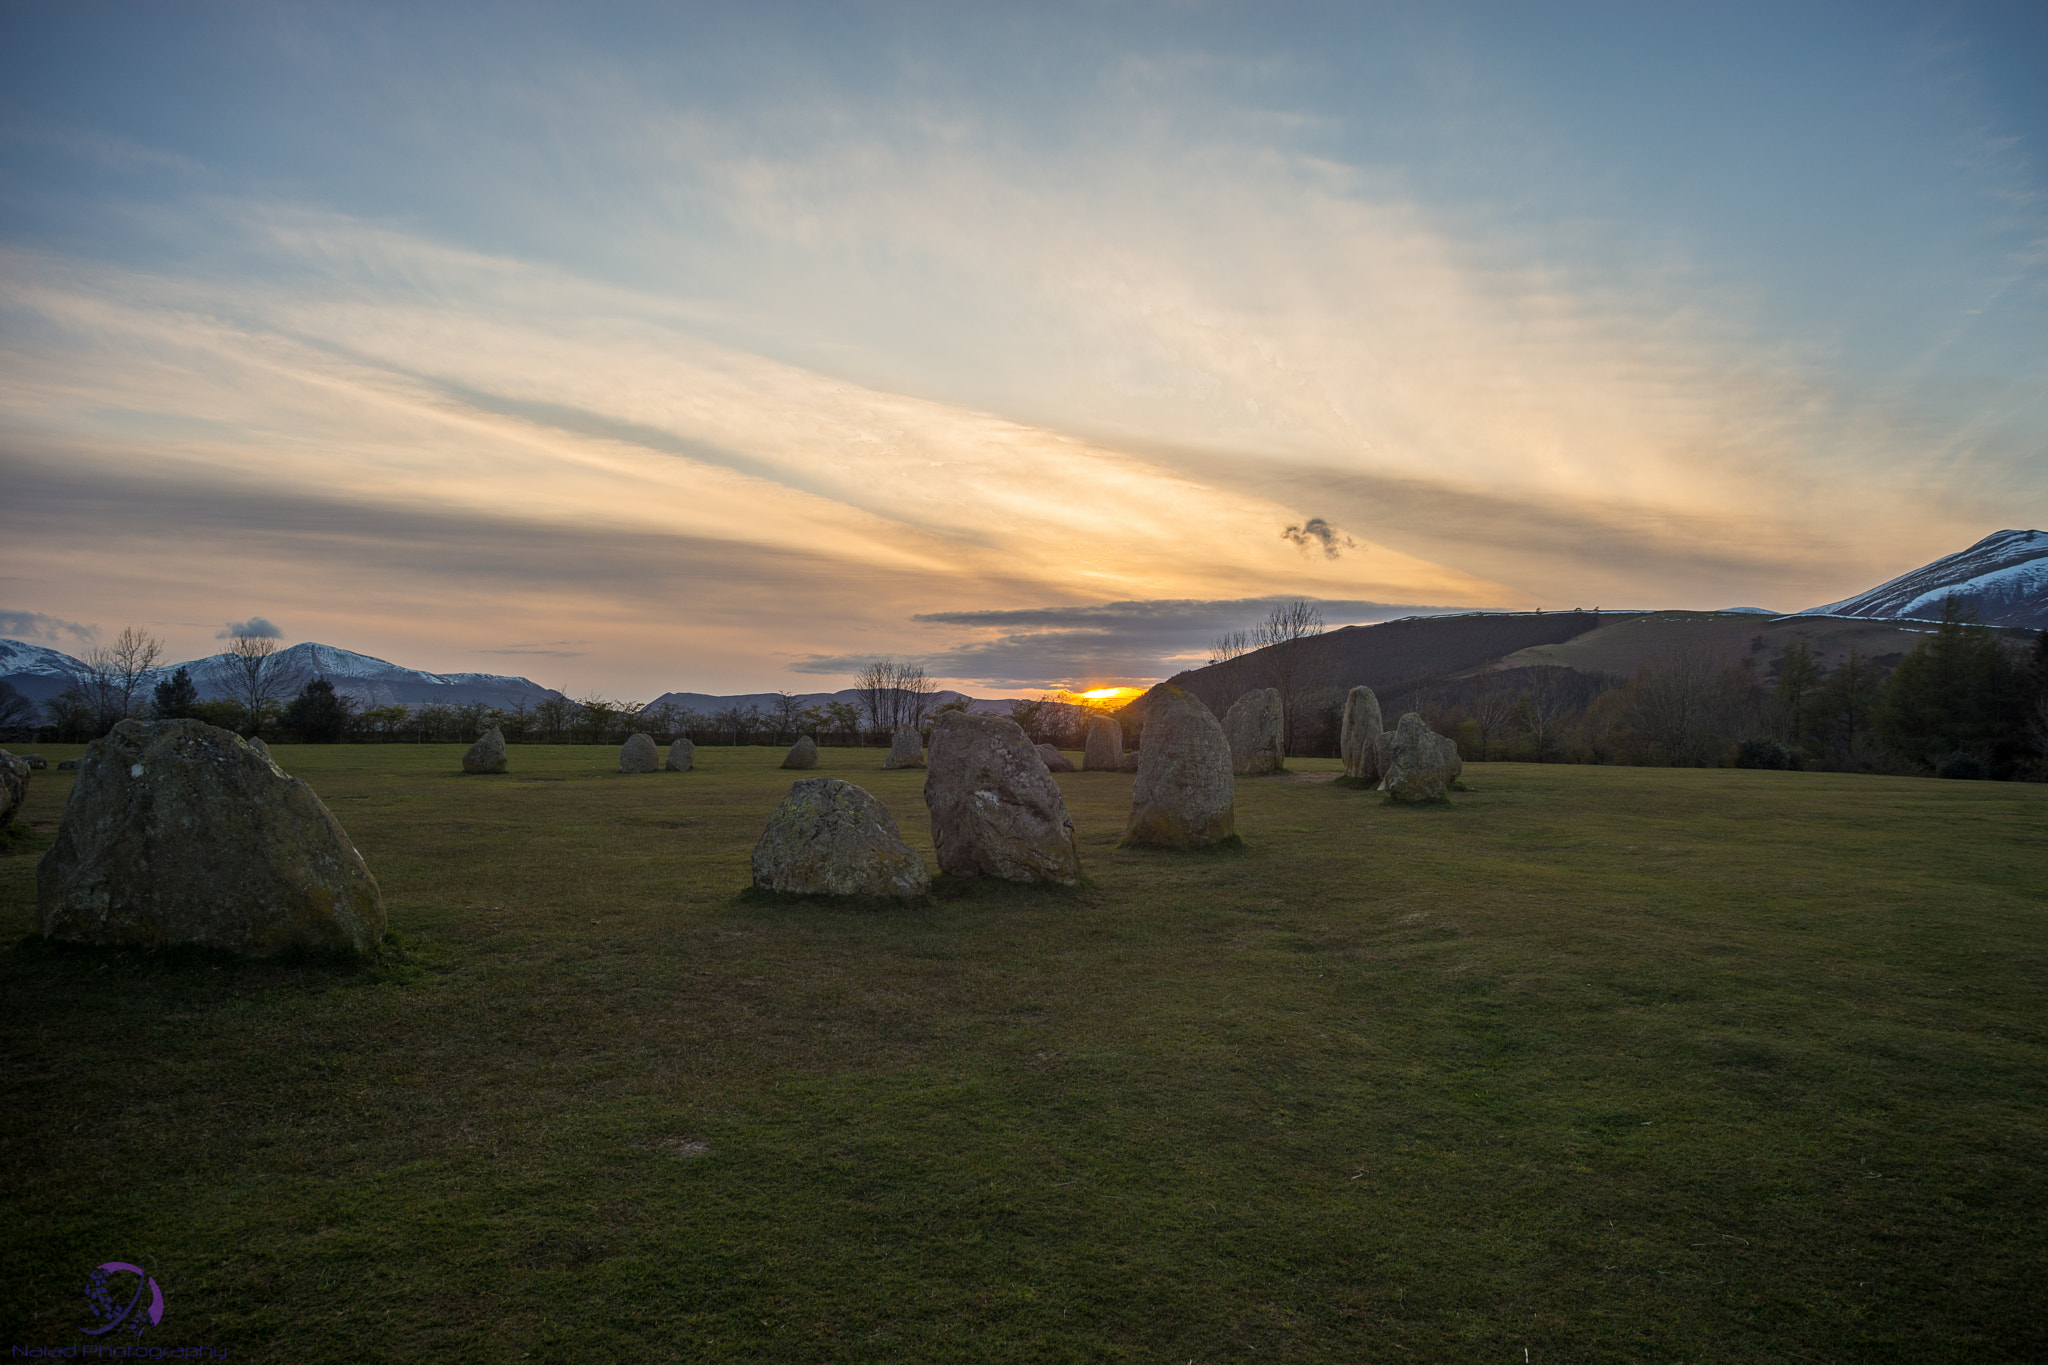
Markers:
point(1599, 1064)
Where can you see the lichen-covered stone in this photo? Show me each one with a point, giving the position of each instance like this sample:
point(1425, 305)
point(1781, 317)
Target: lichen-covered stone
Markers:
point(906, 749)
point(1454, 763)
point(1185, 796)
point(256, 743)
point(13, 784)
point(487, 755)
point(1129, 762)
point(178, 832)
point(830, 838)
point(1055, 761)
point(802, 754)
point(682, 755)
point(1363, 725)
point(36, 762)
point(1417, 773)
point(1104, 747)
point(1382, 755)
point(638, 755)
point(67, 765)
point(1256, 728)
point(996, 812)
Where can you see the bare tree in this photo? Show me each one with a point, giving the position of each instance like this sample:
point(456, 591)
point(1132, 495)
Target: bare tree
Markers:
point(894, 695)
point(1293, 660)
point(1492, 705)
point(788, 713)
point(1688, 706)
point(134, 656)
point(258, 679)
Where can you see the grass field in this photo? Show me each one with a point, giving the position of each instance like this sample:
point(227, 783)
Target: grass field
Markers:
point(1597, 1064)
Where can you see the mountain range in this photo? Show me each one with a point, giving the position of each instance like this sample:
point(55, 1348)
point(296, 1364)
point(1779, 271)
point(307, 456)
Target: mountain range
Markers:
point(2003, 578)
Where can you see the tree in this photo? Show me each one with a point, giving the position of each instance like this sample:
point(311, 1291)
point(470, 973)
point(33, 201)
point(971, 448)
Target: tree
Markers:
point(176, 696)
point(787, 712)
point(1959, 691)
point(1839, 719)
point(1492, 706)
point(17, 713)
point(318, 714)
point(258, 679)
point(843, 718)
point(552, 716)
point(1799, 674)
point(1293, 660)
point(894, 695)
point(1688, 707)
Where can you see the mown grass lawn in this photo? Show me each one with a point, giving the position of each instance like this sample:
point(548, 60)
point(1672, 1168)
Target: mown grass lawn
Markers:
point(1594, 1065)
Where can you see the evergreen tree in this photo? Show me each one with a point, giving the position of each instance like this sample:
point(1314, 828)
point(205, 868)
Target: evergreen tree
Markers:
point(176, 696)
point(318, 715)
point(1799, 674)
point(1843, 705)
point(1960, 691)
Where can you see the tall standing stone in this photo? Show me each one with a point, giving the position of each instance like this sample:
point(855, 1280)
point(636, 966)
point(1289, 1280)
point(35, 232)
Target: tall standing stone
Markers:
point(1184, 796)
point(906, 749)
point(682, 755)
point(1417, 773)
point(802, 754)
point(1363, 726)
point(178, 832)
point(487, 755)
point(1256, 728)
point(1104, 751)
point(638, 755)
point(830, 838)
point(13, 785)
point(996, 812)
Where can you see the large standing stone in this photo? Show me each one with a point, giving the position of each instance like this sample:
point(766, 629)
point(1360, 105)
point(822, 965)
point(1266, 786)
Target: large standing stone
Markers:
point(906, 749)
point(682, 755)
point(1054, 760)
point(487, 755)
point(1417, 773)
point(13, 784)
point(1363, 726)
point(1104, 752)
point(802, 754)
point(830, 838)
point(638, 755)
point(177, 832)
point(996, 812)
point(1184, 796)
point(1256, 727)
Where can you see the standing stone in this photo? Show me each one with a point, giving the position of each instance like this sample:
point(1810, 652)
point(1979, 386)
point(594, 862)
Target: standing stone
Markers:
point(256, 743)
point(996, 812)
point(1454, 765)
point(1362, 729)
point(1417, 772)
point(637, 755)
point(1129, 762)
point(178, 832)
point(830, 838)
point(67, 765)
point(1184, 796)
point(1105, 746)
point(802, 754)
point(906, 749)
point(1054, 760)
point(487, 755)
point(13, 785)
point(682, 754)
point(1256, 727)
point(1382, 755)
point(36, 762)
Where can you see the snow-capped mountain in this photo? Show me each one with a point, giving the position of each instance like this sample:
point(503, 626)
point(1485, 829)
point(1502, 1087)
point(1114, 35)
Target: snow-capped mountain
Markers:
point(2003, 576)
point(39, 673)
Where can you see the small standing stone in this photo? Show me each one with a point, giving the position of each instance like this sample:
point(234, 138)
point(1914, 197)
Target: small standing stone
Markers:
point(1454, 763)
point(1184, 796)
point(682, 755)
point(1362, 729)
point(1129, 762)
point(256, 743)
point(487, 755)
point(36, 762)
point(638, 755)
point(906, 749)
point(67, 765)
point(1417, 774)
point(13, 784)
point(996, 812)
point(830, 838)
point(1256, 726)
point(1055, 761)
point(1105, 745)
point(802, 754)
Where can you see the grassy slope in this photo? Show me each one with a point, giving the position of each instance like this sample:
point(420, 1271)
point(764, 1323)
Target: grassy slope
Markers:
point(1607, 1064)
point(1626, 645)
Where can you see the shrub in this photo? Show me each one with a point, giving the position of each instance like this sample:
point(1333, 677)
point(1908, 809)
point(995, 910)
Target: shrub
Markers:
point(1762, 753)
point(1967, 767)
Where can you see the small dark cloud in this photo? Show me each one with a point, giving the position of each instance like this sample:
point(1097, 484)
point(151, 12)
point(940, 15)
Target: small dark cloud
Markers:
point(256, 628)
point(538, 651)
point(33, 625)
point(1316, 531)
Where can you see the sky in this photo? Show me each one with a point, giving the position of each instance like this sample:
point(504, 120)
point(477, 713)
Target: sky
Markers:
point(723, 348)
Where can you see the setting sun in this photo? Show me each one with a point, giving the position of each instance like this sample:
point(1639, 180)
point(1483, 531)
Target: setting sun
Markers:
point(1103, 696)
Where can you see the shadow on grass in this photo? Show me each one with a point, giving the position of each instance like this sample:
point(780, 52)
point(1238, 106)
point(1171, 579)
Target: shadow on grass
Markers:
point(394, 961)
point(946, 889)
point(1229, 846)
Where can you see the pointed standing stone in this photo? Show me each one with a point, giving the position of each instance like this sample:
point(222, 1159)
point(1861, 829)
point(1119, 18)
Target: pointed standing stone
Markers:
point(1184, 796)
point(682, 755)
point(996, 812)
point(637, 755)
point(802, 754)
point(830, 838)
point(1362, 728)
point(1417, 773)
point(487, 755)
point(906, 749)
point(1105, 749)
point(1256, 726)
